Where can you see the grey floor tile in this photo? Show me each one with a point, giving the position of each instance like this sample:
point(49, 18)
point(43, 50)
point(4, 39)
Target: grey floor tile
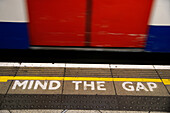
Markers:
point(8, 71)
point(135, 73)
point(35, 111)
point(4, 87)
point(83, 111)
point(4, 111)
point(158, 112)
point(111, 111)
point(88, 72)
point(41, 71)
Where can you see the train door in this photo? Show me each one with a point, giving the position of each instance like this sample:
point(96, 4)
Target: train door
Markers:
point(57, 22)
point(120, 23)
point(97, 23)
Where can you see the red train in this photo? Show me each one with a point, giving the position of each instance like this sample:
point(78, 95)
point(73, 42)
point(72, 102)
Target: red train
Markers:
point(143, 24)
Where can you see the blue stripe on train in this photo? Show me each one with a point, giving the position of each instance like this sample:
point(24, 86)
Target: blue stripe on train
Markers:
point(158, 39)
point(13, 35)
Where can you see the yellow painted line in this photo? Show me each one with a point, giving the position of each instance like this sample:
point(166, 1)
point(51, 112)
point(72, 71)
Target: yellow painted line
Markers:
point(110, 79)
point(6, 78)
point(166, 81)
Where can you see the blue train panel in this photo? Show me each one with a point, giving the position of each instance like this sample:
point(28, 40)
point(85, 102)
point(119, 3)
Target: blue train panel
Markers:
point(158, 39)
point(13, 35)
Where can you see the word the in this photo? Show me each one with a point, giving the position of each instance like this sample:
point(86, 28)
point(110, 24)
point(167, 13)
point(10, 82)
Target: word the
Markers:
point(91, 85)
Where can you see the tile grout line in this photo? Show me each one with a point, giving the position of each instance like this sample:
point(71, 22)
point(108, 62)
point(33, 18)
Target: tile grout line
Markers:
point(63, 79)
point(99, 111)
point(161, 80)
point(10, 85)
point(116, 100)
point(113, 81)
point(64, 111)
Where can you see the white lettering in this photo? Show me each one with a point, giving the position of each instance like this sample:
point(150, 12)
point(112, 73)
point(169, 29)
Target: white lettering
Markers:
point(130, 87)
point(77, 84)
point(18, 83)
point(30, 84)
point(140, 86)
point(51, 87)
point(89, 85)
point(38, 83)
point(151, 85)
point(100, 84)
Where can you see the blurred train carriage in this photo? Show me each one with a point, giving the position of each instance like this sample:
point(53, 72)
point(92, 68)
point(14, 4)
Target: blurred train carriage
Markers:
point(144, 24)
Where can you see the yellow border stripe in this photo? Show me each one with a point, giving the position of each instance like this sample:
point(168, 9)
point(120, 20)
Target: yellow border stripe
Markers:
point(166, 81)
point(6, 78)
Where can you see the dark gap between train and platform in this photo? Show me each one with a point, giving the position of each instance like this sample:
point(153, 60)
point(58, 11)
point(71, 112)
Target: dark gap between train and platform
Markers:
point(86, 102)
point(98, 57)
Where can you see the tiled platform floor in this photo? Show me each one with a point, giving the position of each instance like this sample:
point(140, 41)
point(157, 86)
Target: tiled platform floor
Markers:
point(83, 87)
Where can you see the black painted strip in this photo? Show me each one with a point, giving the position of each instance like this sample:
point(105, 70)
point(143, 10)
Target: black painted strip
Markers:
point(61, 56)
point(88, 22)
point(85, 102)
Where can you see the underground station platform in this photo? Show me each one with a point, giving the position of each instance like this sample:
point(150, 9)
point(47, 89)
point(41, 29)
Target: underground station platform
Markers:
point(84, 88)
